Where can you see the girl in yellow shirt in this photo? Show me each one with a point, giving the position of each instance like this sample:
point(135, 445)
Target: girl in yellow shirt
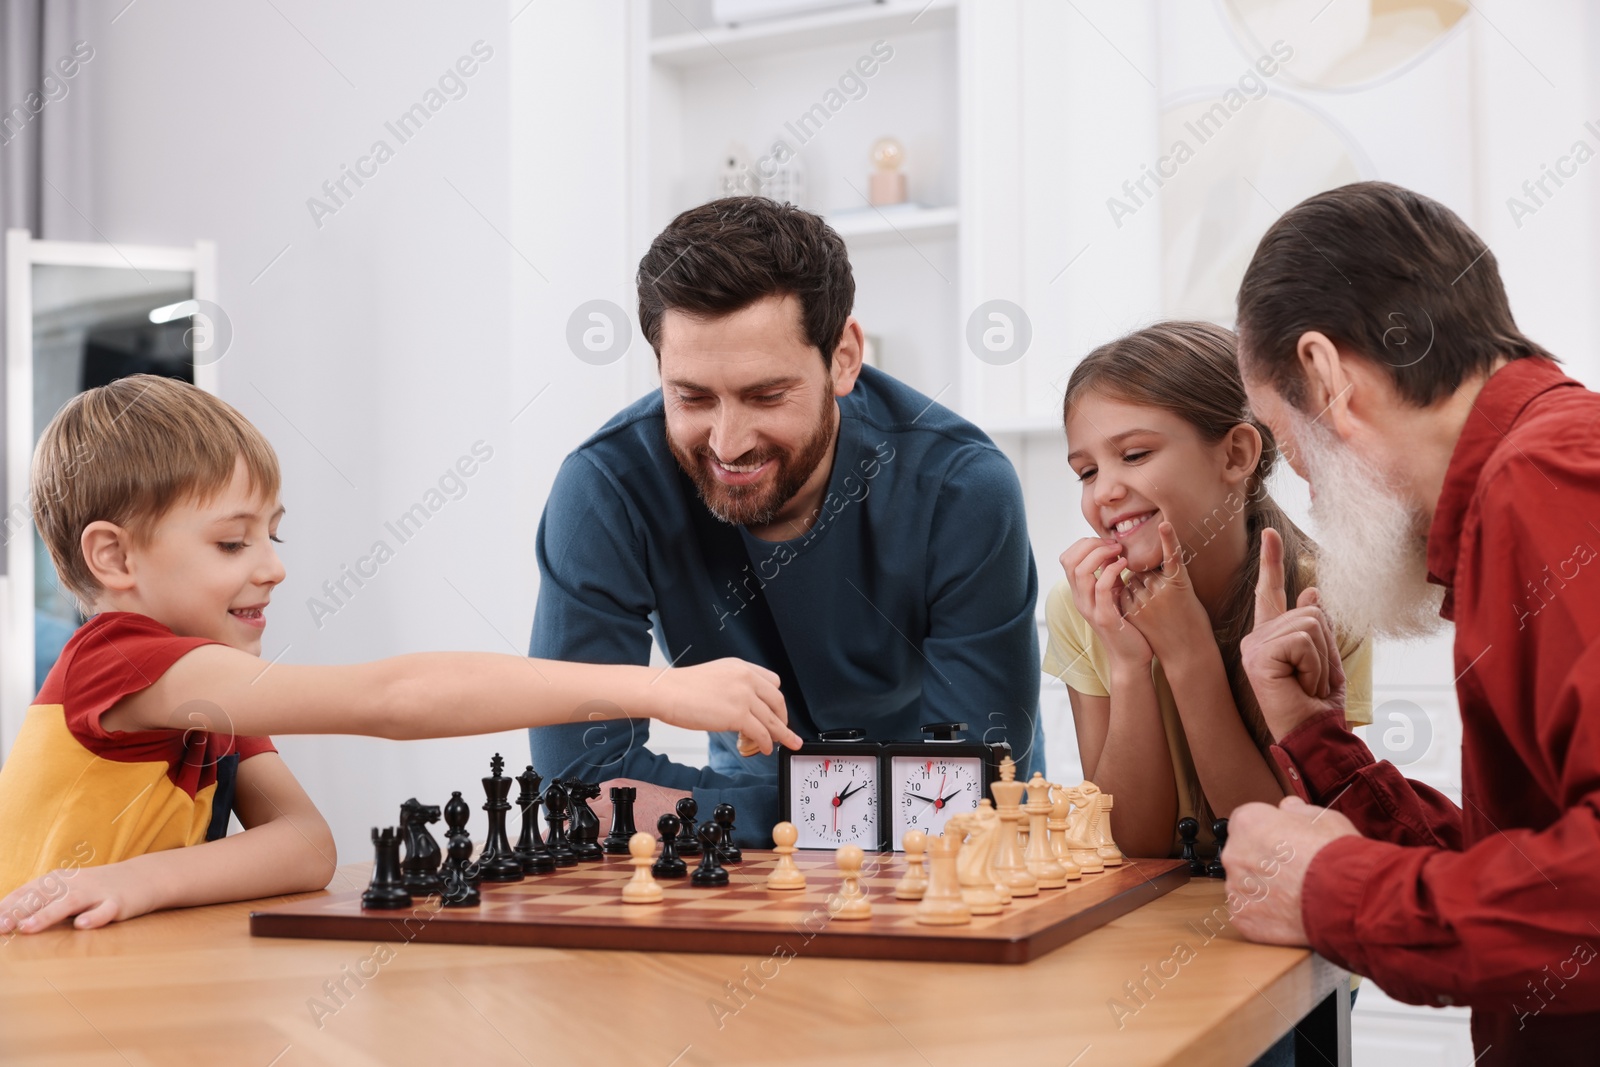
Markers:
point(1145, 628)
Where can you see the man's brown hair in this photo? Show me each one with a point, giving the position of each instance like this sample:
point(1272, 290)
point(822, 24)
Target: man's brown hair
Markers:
point(125, 453)
point(1390, 274)
point(723, 256)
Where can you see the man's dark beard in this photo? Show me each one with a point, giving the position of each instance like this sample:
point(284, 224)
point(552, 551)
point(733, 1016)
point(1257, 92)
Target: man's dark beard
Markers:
point(754, 505)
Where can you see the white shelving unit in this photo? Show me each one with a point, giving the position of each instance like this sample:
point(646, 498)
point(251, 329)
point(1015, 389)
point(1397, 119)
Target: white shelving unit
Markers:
point(697, 88)
point(712, 44)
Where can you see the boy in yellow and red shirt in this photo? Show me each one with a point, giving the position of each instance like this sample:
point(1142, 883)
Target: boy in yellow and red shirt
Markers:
point(159, 505)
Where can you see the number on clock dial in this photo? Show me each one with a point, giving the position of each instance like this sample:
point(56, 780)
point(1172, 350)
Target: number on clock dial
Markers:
point(928, 791)
point(835, 800)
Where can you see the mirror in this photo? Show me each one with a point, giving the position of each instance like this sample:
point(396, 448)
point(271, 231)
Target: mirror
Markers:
point(79, 316)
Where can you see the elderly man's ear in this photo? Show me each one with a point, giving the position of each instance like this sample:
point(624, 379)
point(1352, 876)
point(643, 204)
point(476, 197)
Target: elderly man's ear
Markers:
point(1345, 391)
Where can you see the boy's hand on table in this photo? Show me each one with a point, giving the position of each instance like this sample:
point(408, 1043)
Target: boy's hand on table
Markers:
point(725, 694)
point(96, 895)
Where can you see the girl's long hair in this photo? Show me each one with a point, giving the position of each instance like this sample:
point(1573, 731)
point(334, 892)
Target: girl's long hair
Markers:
point(1191, 369)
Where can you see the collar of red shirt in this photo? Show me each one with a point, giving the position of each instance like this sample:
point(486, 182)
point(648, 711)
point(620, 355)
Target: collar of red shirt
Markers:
point(1498, 406)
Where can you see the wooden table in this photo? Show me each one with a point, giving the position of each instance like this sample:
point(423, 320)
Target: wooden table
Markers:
point(192, 987)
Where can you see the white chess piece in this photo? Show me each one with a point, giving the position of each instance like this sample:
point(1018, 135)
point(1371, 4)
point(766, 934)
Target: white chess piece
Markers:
point(643, 888)
point(850, 903)
point(786, 875)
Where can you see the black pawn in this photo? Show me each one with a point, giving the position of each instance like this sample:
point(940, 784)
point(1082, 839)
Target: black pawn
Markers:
point(459, 890)
point(420, 869)
point(1214, 868)
point(497, 862)
point(710, 872)
point(622, 830)
point(387, 891)
point(555, 807)
point(727, 851)
point(688, 844)
point(669, 864)
point(1189, 831)
point(584, 837)
point(456, 814)
point(535, 857)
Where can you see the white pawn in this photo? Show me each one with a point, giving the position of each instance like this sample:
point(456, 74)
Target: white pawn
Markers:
point(915, 882)
point(851, 903)
point(786, 875)
point(643, 889)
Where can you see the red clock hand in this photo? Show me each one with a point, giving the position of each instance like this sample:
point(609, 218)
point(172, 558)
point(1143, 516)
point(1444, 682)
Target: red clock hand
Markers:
point(937, 804)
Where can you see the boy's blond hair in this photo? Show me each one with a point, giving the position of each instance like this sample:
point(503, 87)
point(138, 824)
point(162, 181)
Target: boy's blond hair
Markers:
point(127, 452)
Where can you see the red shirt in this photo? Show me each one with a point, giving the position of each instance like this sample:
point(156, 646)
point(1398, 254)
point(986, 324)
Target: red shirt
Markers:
point(1496, 905)
point(73, 794)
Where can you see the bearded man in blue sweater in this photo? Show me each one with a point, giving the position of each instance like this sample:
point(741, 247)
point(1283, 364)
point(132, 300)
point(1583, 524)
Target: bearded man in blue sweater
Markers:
point(778, 501)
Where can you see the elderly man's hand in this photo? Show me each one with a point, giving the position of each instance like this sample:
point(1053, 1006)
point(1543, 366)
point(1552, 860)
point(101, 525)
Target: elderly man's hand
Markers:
point(1290, 656)
point(1268, 853)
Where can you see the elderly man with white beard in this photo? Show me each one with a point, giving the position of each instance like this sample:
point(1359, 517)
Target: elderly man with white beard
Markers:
point(1455, 473)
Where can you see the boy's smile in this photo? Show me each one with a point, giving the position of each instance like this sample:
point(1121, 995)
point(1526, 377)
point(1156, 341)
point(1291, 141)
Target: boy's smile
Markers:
point(205, 568)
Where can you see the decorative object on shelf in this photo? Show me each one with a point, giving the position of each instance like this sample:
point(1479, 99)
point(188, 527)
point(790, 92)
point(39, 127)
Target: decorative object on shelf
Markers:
point(734, 12)
point(888, 182)
point(782, 175)
point(736, 178)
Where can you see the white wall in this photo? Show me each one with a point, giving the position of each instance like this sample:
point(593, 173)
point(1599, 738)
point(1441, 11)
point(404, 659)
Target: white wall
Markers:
point(378, 348)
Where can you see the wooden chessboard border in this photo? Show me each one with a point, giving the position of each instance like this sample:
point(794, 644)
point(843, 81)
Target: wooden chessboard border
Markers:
point(1027, 930)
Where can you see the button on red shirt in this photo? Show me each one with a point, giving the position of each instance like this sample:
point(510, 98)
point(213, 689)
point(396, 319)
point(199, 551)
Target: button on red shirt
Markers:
point(1496, 904)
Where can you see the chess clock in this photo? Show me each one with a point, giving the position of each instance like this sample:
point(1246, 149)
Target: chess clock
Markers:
point(831, 790)
point(927, 782)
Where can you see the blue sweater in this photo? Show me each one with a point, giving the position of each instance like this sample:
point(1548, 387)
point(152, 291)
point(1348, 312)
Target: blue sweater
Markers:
point(909, 601)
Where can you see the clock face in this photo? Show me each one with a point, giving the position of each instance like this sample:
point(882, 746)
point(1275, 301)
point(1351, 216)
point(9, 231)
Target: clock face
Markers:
point(928, 789)
point(833, 800)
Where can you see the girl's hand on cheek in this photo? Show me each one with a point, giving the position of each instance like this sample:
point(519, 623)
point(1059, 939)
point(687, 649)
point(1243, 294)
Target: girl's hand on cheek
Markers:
point(1099, 598)
point(1162, 604)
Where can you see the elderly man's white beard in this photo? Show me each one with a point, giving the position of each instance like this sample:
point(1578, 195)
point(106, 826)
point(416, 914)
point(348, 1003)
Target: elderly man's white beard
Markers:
point(1372, 559)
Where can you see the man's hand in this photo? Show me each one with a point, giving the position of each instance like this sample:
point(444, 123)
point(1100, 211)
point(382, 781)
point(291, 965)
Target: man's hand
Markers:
point(725, 694)
point(1290, 657)
point(1163, 605)
point(96, 895)
point(1268, 853)
point(653, 802)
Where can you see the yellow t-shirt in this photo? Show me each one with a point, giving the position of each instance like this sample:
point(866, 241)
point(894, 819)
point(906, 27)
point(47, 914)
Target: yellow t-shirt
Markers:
point(1075, 655)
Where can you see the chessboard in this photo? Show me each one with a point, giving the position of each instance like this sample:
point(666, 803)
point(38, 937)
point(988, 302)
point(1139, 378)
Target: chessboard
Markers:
point(582, 907)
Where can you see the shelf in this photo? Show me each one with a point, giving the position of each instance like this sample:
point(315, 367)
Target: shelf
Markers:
point(727, 43)
point(876, 225)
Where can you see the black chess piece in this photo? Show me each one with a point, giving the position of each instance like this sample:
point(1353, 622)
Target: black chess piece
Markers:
point(459, 890)
point(622, 830)
point(669, 864)
point(688, 844)
point(420, 869)
point(555, 808)
point(536, 859)
point(456, 814)
point(497, 862)
point(584, 836)
point(1189, 831)
point(710, 871)
point(1214, 868)
point(387, 891)
point(727, 851)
